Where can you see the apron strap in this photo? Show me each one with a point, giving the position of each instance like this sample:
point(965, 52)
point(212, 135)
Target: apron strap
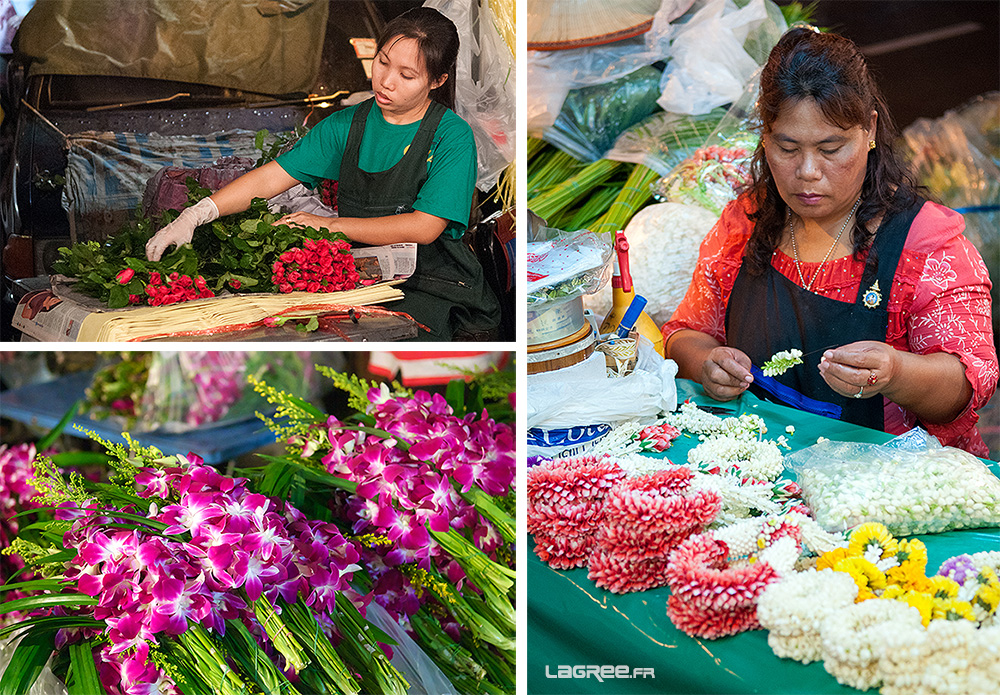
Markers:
point(880, 268)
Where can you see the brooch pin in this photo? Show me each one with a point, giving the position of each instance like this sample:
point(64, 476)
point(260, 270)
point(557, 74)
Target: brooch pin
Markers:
point(873, 297)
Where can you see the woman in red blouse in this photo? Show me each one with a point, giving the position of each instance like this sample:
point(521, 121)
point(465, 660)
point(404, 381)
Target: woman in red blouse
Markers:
point(832, 251)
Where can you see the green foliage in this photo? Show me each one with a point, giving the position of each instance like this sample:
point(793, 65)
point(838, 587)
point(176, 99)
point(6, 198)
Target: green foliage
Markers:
point(357, 388)
point(239, 248)
point(281, 142)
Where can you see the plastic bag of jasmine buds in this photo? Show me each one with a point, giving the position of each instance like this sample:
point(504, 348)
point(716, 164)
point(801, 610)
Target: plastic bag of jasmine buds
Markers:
point(180, 391)
point(911, 484)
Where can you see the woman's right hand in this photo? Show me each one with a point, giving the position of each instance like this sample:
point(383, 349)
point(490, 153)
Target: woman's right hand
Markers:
point(181, 230)
point(725, 373)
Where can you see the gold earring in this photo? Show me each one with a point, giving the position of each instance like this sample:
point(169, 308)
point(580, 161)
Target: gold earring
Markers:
point(871, 145)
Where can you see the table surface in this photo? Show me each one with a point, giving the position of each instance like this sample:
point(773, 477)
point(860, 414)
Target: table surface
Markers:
point(571, 622)
point(367, 329)
point(44, 405)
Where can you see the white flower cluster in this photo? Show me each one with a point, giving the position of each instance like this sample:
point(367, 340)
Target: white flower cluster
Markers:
point(739, 501)
point(793, 608)
point(781, 362)
point(620, 440)
point(910, 492)
point(814, 537)
point(854, 638)
point(759, 459)
point(950, 657)
point(691, 418)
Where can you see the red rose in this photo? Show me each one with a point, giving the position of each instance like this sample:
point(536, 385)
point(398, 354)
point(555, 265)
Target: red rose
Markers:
point(124, 276)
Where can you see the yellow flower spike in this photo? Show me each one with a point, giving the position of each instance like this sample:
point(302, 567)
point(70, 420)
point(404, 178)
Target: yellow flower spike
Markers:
point(943, 587)
point(829, 559)
point(913, 551)
point(865, 574)
point(870, 535)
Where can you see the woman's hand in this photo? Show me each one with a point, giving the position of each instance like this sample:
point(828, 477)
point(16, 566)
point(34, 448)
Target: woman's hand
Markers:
point(860, 370)
point(725, 373)
point(181, 230)
point(304, 219)
point(933, 386)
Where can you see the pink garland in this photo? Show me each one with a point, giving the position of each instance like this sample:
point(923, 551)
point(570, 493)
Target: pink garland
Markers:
point(566, 505)
point(645, 519)
point(712, 599)
point(659, 437)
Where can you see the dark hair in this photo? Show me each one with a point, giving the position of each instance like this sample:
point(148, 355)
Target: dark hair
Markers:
point(437, 39)
point(829, 69)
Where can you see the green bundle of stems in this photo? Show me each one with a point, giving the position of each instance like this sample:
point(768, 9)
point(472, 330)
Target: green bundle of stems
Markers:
point(596, 205)
point(282, 639)
point(361, 651)
point(471, 668)
point(558, 198)
point(633, 196)
point(551, 170)
point(256, 665)
point(493, 579)
point(331, 669)
point(207, 662)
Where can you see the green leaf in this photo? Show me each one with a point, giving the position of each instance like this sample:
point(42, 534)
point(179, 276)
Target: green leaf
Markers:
point(53, 622)
point(31, 603)
point(35, 585)
point(82, 678)
point(80, 458)
point(118, 297)
point(455, 395)
point(27, 661)
point(313, 474)
point(54, 433)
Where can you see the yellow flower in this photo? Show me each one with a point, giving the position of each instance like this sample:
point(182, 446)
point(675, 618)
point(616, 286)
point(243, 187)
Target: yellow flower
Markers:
point(829, 559)
point(943, 587)
point(865, 574)
point(912, 551)
point(909, 576)
point(893, 591)
point(923, 603)
point(953, 609)
point(987, 599)
point(867, 537)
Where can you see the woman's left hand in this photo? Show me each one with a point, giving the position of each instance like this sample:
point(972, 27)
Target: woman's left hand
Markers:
point(860, 370)
point(305, 219)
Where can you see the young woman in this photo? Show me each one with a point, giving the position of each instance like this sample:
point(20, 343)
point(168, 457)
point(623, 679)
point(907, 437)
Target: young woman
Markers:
point(406, 167)
point(832, 251)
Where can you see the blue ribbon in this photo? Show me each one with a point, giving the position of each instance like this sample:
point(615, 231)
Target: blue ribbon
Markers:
point(791, 397)
point(978, 208)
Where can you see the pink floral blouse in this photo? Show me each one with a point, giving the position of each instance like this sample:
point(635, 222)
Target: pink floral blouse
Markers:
point(940, 302)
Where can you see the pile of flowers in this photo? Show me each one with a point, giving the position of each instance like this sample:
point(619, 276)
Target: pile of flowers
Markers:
point(644, 518)
point(911, 484)
point(176, 288)
point(428, 491)
point(658, 437)
point(174, 563)
point(320, 265)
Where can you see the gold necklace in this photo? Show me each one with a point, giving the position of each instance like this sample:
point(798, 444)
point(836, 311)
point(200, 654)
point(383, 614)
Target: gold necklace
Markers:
point(795, 248)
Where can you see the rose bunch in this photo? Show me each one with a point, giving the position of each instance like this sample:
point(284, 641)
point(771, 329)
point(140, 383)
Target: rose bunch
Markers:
point(320, 265)
point(175, 288)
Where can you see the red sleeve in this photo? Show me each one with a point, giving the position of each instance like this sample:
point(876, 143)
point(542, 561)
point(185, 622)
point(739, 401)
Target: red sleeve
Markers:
point(951, 313)
point(704, 305)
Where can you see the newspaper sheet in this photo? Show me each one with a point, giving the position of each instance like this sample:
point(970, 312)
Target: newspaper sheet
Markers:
point(382, 263)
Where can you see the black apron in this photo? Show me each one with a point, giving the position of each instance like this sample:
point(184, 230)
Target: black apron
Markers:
point(769, 313)
point(447, 293)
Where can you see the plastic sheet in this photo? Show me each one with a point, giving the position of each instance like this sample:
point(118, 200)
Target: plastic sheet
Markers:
point(177, 392)
point(716, 53)
point(485, 89)
point(422, 674)
point(256, 45)
point(911, 484)
point(563, 265)
point(592, 118)
point(552, 74)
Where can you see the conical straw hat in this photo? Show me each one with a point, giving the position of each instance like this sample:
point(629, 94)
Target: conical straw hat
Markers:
point(560, 24)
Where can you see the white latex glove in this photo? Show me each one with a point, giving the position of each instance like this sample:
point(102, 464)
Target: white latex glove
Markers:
point(181, 230)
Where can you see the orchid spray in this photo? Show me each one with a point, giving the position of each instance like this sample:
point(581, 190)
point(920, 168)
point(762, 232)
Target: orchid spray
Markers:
point(426, 483)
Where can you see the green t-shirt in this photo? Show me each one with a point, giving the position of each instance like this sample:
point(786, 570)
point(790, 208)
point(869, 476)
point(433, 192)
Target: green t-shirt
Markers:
point(451, 164)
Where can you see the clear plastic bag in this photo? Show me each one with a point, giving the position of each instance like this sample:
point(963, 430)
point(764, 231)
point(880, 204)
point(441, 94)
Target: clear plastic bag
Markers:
point(563, 265)
point(177, 392)
point(911, 484)
point(485, 88)
point(593, 117)
point(717, 52)
point(552, 74)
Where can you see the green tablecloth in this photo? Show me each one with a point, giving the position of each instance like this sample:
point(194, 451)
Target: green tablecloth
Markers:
point(571, 622)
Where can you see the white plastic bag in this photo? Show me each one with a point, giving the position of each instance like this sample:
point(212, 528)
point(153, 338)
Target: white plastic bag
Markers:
point(551, 74)
point(715, 54)
point(584, 394)
point(485, 89)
